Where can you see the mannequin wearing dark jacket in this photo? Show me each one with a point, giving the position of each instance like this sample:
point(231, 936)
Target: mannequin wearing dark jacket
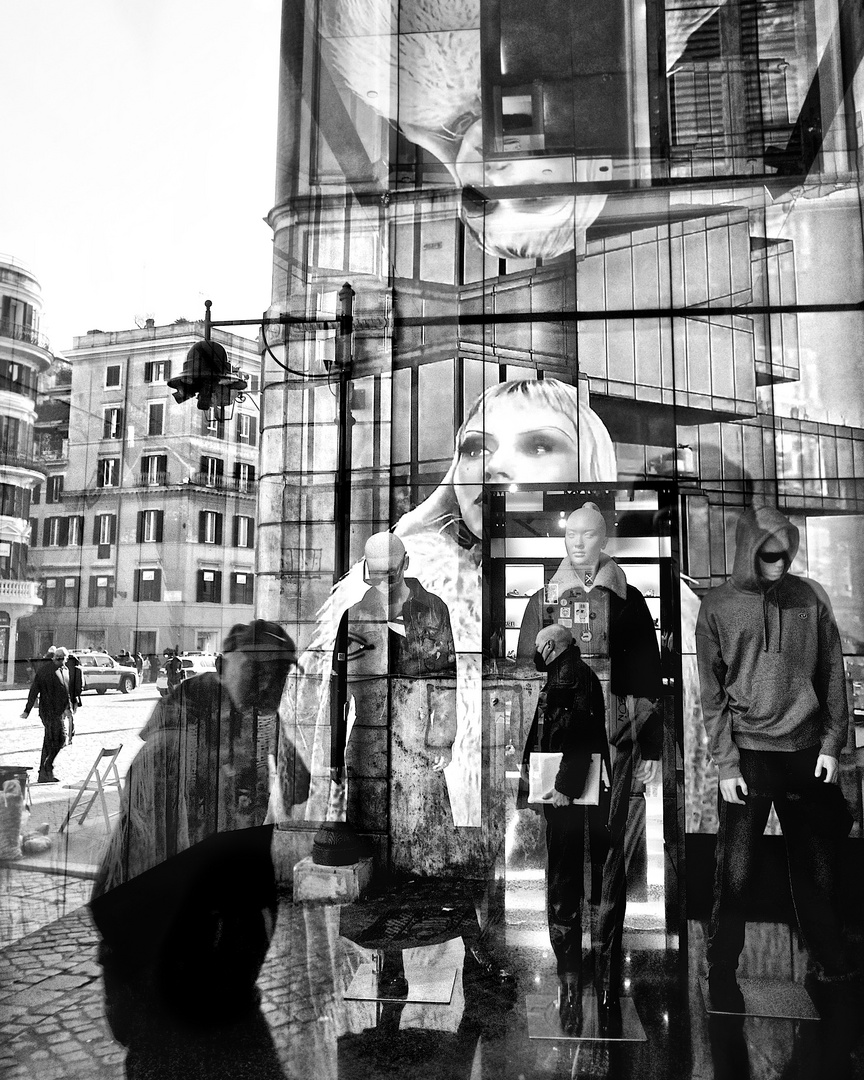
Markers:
point(570, 720)
point(590, 596)
point(775, 709)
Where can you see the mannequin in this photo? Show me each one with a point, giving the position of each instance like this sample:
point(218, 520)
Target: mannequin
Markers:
point(610, 622)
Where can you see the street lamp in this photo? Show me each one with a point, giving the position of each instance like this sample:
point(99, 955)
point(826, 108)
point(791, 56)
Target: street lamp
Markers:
point(207, 374)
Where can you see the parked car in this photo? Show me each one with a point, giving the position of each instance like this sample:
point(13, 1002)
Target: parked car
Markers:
point(101, 672)
point(191, 664)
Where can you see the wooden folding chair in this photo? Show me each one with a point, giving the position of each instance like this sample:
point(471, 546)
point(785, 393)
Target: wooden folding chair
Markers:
point(99, 779)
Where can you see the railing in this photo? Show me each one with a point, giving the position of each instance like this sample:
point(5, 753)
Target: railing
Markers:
point(28, 334)
point(22, 461)
point(159, 479)
point(222, 483)
point(26, 592)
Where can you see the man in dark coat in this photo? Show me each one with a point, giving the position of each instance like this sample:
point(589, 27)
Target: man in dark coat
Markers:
point(610, 621)
point(58, 688)
point(570, 720)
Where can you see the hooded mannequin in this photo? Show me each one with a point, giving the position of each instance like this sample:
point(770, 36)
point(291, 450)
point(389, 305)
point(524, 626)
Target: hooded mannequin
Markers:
point(775, 709)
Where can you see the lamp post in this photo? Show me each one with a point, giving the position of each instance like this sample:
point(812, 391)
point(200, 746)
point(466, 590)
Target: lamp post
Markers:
point(208, 375)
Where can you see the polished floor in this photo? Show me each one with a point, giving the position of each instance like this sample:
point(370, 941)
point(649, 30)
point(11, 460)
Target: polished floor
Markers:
point(314, 1024)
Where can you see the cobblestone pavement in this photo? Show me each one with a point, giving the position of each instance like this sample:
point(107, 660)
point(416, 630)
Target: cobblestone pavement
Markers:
point(30, 900)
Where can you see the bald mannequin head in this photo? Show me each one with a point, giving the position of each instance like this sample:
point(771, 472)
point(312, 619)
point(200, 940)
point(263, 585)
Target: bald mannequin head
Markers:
point(385, 560)
point(585, 536)
point(551, 641)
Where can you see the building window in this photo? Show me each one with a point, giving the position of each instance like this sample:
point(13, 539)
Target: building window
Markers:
point(242, 589)
point(75, 531)
point(112, 426)
point(212, 424)
point(150, 526)
point(154, 470)
point(244, 476)
point(209, 587)
point(148, 585)
point(108, 472)
point(112, 375)
point(247, 433)
point(101, 592)
point(212, 471)
point(54, 489)
point(60, 592)
point(54, 532)
point(209, 527)
point(157, 371)
point(104, 532)
point(155, 417)
point(244, 532)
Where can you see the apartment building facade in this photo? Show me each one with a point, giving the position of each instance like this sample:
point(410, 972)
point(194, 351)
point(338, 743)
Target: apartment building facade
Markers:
point(144, 528)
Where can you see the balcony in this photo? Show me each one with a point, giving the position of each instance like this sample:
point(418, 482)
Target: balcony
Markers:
point(19, 592)
point(222, 483)
point(19, 460)
point(28, 334)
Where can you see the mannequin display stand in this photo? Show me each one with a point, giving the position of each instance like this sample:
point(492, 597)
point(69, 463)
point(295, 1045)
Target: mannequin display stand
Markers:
point(772, 999)
point(544, 1021)
point(432, 987)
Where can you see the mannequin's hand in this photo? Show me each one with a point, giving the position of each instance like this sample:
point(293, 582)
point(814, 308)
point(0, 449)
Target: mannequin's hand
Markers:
point(831, 766)
point(729, 789)
point(560, 800)
point(646, 772)
point(443, 760)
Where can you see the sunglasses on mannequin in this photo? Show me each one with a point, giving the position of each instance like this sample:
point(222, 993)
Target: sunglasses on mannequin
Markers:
point(378, 577)
point(772, 556)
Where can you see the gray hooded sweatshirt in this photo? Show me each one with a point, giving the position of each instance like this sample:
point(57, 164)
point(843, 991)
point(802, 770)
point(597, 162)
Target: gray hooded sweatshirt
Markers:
point(770, 662)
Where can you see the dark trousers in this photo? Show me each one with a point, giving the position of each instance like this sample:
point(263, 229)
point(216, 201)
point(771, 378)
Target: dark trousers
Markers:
point(808, 812)
point(565, 877)
point(613, 891)
point(53, 742)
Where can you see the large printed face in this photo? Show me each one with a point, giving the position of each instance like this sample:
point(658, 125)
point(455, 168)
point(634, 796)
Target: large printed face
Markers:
point(514, 442)
point(255, 678)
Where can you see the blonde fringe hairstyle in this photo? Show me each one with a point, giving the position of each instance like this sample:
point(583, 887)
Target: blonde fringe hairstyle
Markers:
point(596, 451)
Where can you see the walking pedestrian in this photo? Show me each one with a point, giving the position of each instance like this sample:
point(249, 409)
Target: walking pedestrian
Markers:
point(57, 685)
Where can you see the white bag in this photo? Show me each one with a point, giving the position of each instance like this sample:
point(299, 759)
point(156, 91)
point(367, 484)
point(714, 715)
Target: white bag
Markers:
point(542, 770)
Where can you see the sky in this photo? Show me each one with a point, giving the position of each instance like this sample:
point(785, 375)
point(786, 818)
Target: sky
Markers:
point(139, 139)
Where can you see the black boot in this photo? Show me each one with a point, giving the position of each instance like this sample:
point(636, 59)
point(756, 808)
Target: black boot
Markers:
point(723, 990)
point(570, 1004)
point(609, 1014)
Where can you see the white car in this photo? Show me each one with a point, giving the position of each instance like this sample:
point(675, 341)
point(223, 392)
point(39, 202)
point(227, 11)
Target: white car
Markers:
point(191, 664)
point(101, 672)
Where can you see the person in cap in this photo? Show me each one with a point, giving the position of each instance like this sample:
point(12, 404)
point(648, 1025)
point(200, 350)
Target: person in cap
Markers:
point(589, 595)
point(571, 720)
point(185, 897)
point(58, 689)
point(775, 709)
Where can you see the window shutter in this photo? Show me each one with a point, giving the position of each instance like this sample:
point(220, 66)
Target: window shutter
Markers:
point(220, 467)
point(148, 371)
point(139, 532)
point(34, 532)
point(235, 538)
point(167, 370)
point(137, 595)
point(251, 533)
point(217, 587)
point(199, 595)
point(46, 532)
point(92, 598)
point(253, 432)
point(96, 528)
point(202, 525)
point(113, 519)
point(162, 464)
point(218, 528)
point(160, 518)
point(157, 585)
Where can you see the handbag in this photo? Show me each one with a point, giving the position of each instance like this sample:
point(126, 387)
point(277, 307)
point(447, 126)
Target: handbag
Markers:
point(542, 770)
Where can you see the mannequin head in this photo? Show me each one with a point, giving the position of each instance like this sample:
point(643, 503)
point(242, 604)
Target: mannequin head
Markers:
point(585, 536)
point(770, 567)
point(384, 563)
point(550, 643)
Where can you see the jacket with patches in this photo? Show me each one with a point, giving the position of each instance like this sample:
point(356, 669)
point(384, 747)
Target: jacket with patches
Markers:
point(770, 661)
